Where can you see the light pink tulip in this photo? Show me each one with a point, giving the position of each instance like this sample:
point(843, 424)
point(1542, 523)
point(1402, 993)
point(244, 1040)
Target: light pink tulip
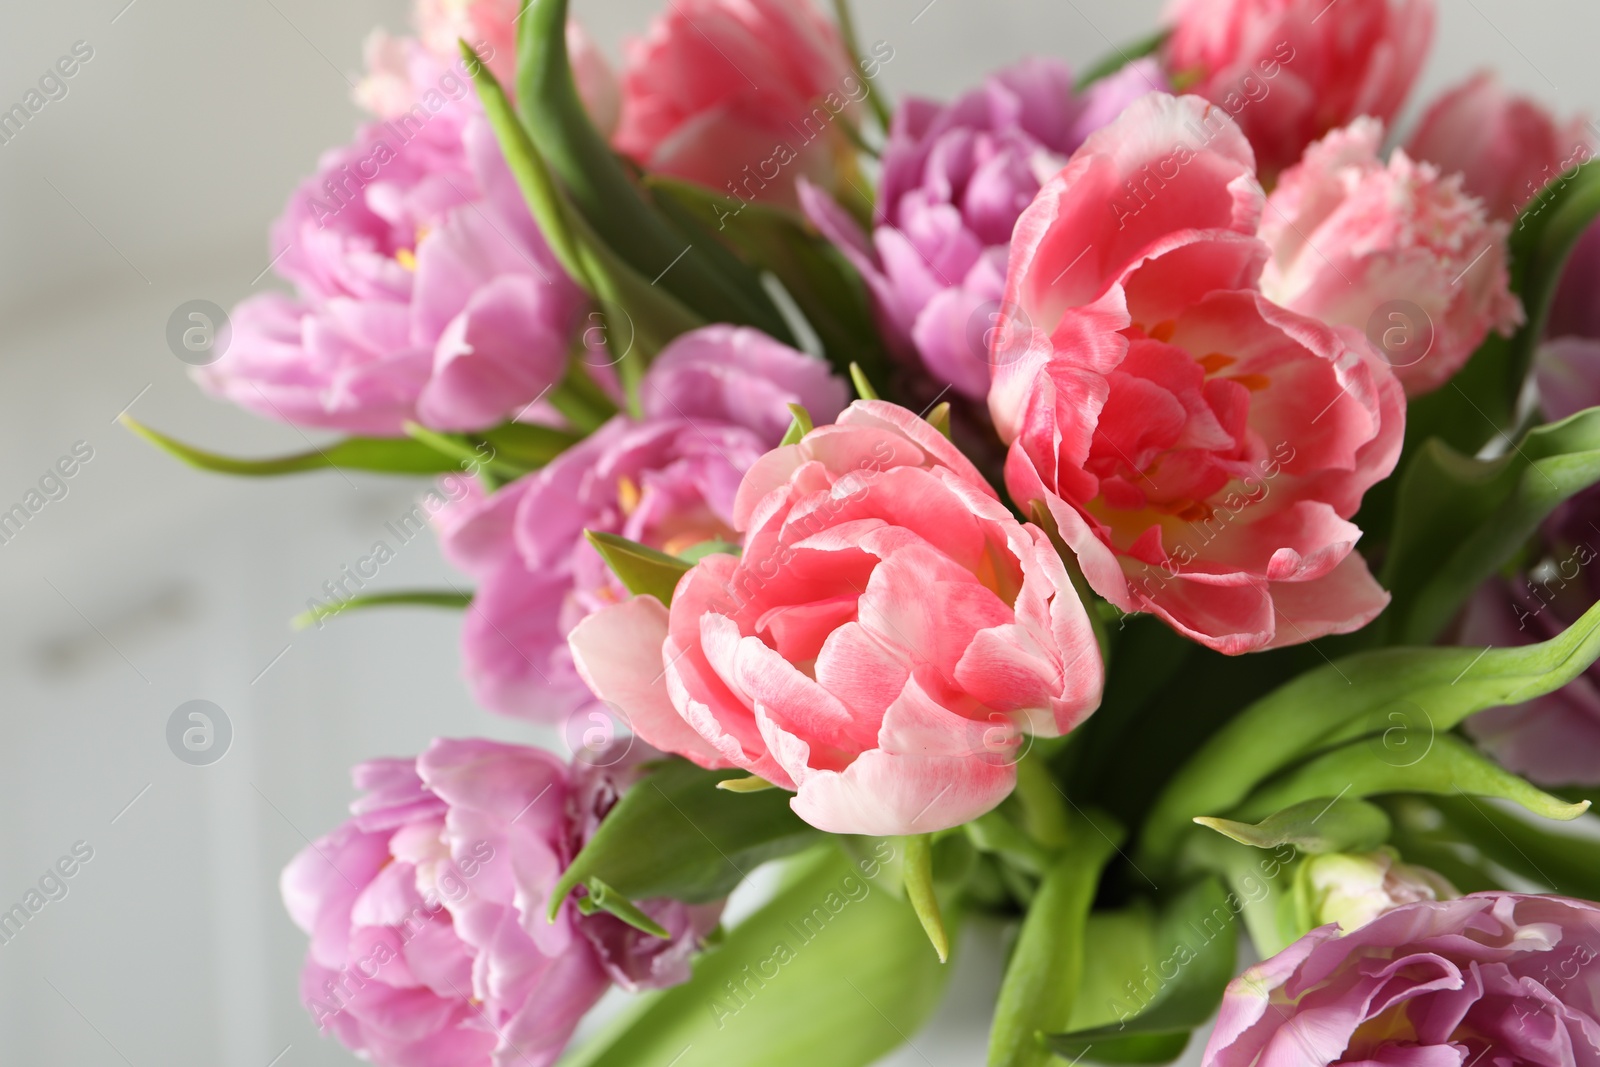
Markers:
point(1200, 448)
point(1507, 148)
point(1490, 979)
point(429, 944)
point(1291, 70)
point(742, 96)
point(880, 646)
point(1398, 251)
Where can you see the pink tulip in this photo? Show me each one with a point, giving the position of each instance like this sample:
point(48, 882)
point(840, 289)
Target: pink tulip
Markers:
point(1289, 71)
point(429, 945)
point(1492, 978)
point(742, 96)
point(1396, 250)
point(1200, 448)
point(1507, 148)
point(714, 401)
point(879, 647)
point(423, 289)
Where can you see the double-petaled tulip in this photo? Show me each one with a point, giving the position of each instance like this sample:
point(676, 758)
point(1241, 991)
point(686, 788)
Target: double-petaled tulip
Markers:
point(1396, 249)
point(1493, 978)
point(714, 401)
point(426, 911)
point(955, 180)
point(1201, 448)
point(882, 643)
point(1289, 71)
point(424, 291)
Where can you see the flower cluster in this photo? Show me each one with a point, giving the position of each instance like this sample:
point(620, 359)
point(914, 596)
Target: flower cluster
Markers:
point(1154, 370)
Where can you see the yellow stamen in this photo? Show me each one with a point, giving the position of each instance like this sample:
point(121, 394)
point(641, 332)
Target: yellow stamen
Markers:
point(627, 495)
point(1253, 382)
point(407, 259)
point(1163, 331)
point(1215, 362)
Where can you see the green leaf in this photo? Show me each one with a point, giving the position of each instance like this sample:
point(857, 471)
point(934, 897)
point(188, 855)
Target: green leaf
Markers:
point(864, 389)
point(527, 447)
point(751, 784)
point(1120, 58)
point(833, 972)
point(1480, 402)
point(675, 834)
point(847, 30)
point(1460, 519)
point(386, 455)
point(918, 874)
point(1041, 982)
point(1324, 824)
point(407, 598)
point(1393, 694)
point(643, 570)
point(606, 197)
point(1368, 768)
point(1193, 950)
point(823, 284)
point(655, 314)
point(939, 418)
point(798, 428)
point(468, 456)
point(603, 898)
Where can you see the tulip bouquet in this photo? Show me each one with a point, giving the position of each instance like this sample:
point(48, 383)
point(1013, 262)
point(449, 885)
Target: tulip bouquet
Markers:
point(1145, 518)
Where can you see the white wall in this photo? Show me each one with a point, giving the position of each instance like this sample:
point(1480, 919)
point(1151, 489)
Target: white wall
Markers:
point(152, 183)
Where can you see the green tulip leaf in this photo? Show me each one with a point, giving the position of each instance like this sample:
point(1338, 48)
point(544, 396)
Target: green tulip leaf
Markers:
point(406, 598)
point(640, 568)
point(1562, 862)
point(1442, 764)
point(1192, 949)
point(918, 874)
point(1324, 824)
point(1461, 519)
point(833, 971)
point(687, 264)
point(382, 454)
point(675, 834)
point(1397, 695)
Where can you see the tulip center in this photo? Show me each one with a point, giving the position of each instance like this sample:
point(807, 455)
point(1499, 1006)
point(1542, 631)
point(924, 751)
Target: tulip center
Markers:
point(1172, 441)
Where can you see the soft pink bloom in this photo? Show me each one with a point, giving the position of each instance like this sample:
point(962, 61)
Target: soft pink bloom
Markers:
point(1291, 70)
point(1507, 148)
point(714, 401)
point(1398, 250)
point(1200, 448)
point(879, 647)
point(955, 179)
point(423, 289)
point(1493, 978)
point(743, 96)
point(426, 911)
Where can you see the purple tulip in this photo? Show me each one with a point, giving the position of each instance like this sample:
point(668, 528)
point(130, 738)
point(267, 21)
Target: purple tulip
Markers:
point(423, 289)
point(429, 944)
point(714, 401)
point(955, 180)
point(1495, 979)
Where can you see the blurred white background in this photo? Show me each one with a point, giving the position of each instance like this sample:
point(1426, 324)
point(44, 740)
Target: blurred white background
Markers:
point(149, 584)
